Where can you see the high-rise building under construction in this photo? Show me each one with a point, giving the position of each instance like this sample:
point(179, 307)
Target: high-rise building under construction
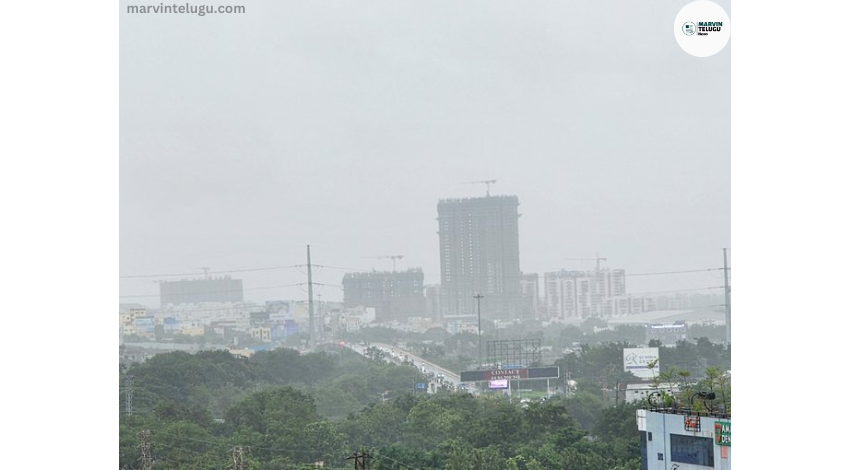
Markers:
point(479, 254)
point(188, 291)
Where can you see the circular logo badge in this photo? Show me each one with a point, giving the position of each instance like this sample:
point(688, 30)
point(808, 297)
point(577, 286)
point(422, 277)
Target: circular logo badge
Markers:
point(702, 28)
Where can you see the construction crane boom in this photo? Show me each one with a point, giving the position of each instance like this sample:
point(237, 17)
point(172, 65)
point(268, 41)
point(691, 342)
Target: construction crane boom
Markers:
point(392, 257)
point(597, 259)
point(487, 182)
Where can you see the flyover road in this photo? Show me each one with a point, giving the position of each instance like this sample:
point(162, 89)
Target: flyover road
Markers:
point(450, 377)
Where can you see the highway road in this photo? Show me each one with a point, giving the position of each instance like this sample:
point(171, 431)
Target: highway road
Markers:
point(397, 355)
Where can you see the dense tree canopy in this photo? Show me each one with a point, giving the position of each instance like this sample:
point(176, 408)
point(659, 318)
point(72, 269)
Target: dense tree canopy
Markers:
point(289, 410)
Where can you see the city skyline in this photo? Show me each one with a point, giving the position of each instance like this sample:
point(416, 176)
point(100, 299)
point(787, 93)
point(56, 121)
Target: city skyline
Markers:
point(277, 152)
point(137, 286)
point(262, 291)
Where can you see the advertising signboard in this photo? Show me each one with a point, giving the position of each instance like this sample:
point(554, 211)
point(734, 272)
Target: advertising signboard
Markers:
point(636, 360)
point(723, 433)
point(500, 383)
point(510, 374)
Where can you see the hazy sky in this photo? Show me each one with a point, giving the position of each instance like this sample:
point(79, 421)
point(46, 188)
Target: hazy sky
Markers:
point(340, 124)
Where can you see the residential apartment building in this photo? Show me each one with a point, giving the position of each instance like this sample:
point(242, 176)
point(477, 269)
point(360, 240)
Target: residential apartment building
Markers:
point(530, 293)
point(583, 294)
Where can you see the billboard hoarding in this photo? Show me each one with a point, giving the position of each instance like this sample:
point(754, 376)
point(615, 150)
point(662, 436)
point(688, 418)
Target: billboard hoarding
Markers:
point(637, 360)
point(499, 383)
point(510, 374)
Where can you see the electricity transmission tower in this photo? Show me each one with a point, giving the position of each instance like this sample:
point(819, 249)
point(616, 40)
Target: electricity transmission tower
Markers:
point(238, 458)
point(361, 461)
point(146, 449)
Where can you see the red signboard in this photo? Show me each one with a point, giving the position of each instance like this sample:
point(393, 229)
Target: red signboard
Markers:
point(692, 423)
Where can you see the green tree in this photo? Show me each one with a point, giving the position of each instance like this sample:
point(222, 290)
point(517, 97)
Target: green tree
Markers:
point(279, 415)
point(617, 422)
point(585, 408)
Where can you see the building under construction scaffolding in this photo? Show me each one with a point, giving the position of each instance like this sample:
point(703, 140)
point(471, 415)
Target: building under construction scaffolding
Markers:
point(192, 291)
point(395, 295)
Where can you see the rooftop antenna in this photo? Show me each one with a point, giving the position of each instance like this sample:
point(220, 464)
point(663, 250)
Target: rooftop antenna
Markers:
point(487, 182)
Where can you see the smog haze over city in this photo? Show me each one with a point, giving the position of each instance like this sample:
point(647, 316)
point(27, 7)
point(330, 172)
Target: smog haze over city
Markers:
point(245, 138)
point(421, 235)
point(358, 232)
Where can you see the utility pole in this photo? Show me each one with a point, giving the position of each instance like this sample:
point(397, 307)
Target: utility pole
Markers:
point(311, 342)
point(238, 458)
point(320, 318)
point(360, 460)
point(728, 301)
point(478, 298)
point(147, 450)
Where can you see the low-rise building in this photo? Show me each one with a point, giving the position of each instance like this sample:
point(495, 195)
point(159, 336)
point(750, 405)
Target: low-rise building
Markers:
point(263, 334)
point(667, 333)
point(640, 390)
point(128, 313)
point(682, 440)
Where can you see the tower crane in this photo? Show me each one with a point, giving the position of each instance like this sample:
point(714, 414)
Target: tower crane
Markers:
point(487, 182)
point(598, 259)
point(392, 257)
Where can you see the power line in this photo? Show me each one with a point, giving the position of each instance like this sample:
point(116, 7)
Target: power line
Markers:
point(343, 268)
point(674, 291)
point(270, 268)
point(405, 465)
point(237, 309)
point(362, 270)
point(359, 270)
point(220, 291)
point(226, 445)
point(183, 464)
point(675, 272)
point(361, 460)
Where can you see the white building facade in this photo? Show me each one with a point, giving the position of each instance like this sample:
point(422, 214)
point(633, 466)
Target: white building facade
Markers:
point(678, 441)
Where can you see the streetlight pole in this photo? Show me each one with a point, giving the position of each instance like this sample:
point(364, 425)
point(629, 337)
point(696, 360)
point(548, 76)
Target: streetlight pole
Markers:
point(478, 298)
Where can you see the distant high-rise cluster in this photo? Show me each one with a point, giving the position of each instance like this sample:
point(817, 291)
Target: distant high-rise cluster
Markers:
point(479, 254)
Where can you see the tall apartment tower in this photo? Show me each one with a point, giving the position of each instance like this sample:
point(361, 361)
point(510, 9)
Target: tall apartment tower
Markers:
point(479, 254)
